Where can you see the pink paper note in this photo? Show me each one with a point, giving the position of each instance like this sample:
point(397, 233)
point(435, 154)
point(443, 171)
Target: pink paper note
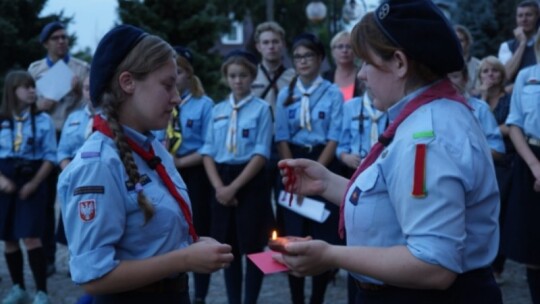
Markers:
point(266, 264)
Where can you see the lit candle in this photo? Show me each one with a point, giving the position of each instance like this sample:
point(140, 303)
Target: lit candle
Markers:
point(278, 243)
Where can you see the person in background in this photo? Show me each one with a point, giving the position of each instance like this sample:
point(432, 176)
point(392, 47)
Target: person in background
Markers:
point(491, 81)
point(521, 233)
point(55, 40)
point(272, 76)
point(27, 157)
point(481, 112)
point(345, 71)
point(235, 150)
point(308, 124)
point(131, 237)
point(193, 120)
point(518, 52)
point(421, 212)
point(466, 41)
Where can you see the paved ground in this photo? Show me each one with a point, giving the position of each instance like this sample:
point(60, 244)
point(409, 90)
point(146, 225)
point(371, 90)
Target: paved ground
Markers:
point(274, 290)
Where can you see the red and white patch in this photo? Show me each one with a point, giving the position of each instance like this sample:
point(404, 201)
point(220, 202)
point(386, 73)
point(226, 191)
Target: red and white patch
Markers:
point(87, 210)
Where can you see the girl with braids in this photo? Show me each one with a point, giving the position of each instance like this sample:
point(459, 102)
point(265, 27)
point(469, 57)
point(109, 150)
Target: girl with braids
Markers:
point(236, 148)
point(308, 125)
point(124, 205)
point(27, 156)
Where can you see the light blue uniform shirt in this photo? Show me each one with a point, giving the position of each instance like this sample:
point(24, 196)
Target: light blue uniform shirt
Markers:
point(73, 133)
point(104, 224)
point(40, 145)
point(253, 135)
point(456, 224)
point(488, 124)
point(326, 104)
point(525, 105)
point(356, 127)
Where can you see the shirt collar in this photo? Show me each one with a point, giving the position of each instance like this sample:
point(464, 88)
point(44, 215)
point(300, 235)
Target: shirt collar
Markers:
point(394, 110)
point(143, 140)
point(50, 63)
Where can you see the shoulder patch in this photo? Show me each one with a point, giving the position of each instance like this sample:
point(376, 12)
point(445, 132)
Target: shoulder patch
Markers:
point(87, 210)
point(423, 134)
point(144, 180)
point(89, 190)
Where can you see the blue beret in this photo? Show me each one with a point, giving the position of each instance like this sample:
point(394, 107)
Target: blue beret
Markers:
point(311, 39)
point(423, 32)
point(49, 29)
point(110, 52)
point(184, 52)
point(242, 53)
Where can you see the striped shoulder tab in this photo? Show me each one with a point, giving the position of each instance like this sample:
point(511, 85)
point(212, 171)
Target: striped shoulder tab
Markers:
point(91, 149)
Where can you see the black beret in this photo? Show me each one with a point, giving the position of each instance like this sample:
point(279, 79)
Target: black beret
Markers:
point(110, 52)
point(242, 53)
point(184, 52)
point(424, 33)
point(49, 29)
point(312, 39)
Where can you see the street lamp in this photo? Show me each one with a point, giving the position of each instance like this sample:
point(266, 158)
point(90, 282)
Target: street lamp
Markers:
point(316, 11)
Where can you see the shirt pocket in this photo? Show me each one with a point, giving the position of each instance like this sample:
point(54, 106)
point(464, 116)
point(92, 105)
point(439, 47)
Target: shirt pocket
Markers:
point(220, 128)
point(367, 198)
point(529, 98)
point(193, 123)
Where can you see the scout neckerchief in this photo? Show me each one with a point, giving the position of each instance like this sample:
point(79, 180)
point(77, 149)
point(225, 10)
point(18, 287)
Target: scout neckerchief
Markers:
point(233, 122)
point(442, 89)
point(374, 115)
point(90, 124)
point(154, 162)
point(272, 82)
point(19, 122)
point(305, 112)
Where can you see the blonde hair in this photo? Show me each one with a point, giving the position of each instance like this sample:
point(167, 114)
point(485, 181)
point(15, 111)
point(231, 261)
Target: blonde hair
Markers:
point(339, 36)
point(148, 55)
point(269, 26)
point(497, 64)
point(195, 87)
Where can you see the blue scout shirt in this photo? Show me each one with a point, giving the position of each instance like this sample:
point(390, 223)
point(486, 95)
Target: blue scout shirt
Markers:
point(254, 132)
point(455, 225)
point(40, 145)
point(356, 126)
point(74, 133)
point(488, 124)
point(195, 116)
point(524, 106)
point(326, 104)
point(100, 208)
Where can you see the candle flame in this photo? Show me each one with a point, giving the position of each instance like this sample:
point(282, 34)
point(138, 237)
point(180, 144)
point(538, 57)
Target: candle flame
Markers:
point(274, 235)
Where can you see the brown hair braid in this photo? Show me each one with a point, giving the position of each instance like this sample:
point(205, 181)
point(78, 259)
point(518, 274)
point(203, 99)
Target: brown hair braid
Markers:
point(290, 98)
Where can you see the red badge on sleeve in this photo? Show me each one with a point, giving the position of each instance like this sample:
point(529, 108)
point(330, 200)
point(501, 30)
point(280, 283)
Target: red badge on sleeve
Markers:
point(87, 210)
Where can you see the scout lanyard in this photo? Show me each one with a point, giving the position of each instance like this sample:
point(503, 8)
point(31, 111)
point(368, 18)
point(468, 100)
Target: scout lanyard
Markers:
point(272, 81)
point(154, 162)
point(442, 89)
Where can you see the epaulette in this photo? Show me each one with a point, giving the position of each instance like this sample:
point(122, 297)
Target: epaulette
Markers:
point(91, 149)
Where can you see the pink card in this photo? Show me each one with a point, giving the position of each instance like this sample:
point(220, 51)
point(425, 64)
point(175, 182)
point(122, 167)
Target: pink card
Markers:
point(266, 264)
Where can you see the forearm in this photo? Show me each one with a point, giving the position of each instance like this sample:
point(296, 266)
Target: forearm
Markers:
point(512, 65)
point(44, 171)
point(327, 155)
point(211, 171)
point(189, 160)
point(283, 150)
point(335, 189)
point(255, 164)
point(522, 148)
point(392, 265)
point(133, 274)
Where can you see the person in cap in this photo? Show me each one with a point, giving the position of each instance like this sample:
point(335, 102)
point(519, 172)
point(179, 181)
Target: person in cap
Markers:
point(235, 150)
point(131, 235)
point(27, 156)
point(55, 39)
point(421, 212)
point(521, 233)
point(193, 120)
point(308, 124)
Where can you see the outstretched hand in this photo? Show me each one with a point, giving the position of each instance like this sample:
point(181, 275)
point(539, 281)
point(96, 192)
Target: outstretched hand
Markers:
point(208, 255)
point(306, 258)
point(303, 176)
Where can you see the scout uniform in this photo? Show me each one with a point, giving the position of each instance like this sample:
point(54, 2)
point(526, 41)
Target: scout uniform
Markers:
point(488, 124)
point(267, 85)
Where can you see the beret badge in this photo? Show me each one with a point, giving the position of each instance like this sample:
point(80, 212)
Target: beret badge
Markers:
point(384, 11)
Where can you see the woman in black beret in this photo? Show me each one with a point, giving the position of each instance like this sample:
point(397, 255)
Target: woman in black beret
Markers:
point(421, 211)
point(125, 208)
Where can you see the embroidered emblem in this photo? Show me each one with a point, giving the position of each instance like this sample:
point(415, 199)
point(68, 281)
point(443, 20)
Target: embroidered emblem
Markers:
point(355, 195)
point(144, 179)
point(419, 178)
point(384, 11)
point(88, 190)
point(533, 80)
point(245, 133)
point(30, 141)
point(87, 210)
point(189, 123)
point(425, 134)
point(322, 115)
point(292, 113)
point(74, 123)
point(90, 154)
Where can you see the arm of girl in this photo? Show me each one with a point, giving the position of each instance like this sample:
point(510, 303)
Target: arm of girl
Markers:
point(327, 155)
point(284, 150)
point(255, 164)
point(523, 149)
point(188, 160)
point(33, 184)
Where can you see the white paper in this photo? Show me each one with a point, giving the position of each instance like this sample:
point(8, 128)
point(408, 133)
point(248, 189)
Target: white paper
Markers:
point(310, 208)
point(56, 82)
